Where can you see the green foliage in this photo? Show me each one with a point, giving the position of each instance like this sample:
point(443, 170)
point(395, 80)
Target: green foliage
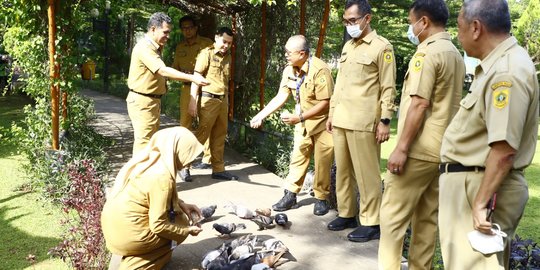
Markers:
point(528, 30)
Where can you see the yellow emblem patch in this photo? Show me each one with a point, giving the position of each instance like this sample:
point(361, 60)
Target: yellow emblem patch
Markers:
point(500, 98)
point(322, 80)
point(388, 57)
point(417, 63)
point(500, 84)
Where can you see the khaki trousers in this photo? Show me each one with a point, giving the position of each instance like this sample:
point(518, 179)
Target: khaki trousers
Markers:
point(357, 163)
point(457, 192)
point(213, 126)
point(186, 120)
point(322, 145)
point(144, 114)
point(410, 198)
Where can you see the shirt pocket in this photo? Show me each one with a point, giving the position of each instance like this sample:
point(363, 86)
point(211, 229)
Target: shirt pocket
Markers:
point(466, 111)
point(215, 68)
point(308, 90)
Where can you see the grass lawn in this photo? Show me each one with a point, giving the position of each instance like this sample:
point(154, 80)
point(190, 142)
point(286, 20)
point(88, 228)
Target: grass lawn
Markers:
point(529, 226)
point(28, 227)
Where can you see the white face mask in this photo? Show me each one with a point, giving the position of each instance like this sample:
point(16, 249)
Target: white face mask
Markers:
point(354, 30)
point(412, 37)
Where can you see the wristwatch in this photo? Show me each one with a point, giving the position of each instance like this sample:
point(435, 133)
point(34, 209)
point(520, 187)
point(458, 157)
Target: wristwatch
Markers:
point(385, 121)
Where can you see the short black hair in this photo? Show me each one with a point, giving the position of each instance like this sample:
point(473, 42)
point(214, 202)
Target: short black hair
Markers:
point(224, 30)
point(187, 18)
point(435, 10)
point(157, 19)
point(494, 14)
point(363, 6)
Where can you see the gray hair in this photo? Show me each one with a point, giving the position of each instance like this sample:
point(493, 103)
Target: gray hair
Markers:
point(157, 19)
point(493, 14)
point(300, 41)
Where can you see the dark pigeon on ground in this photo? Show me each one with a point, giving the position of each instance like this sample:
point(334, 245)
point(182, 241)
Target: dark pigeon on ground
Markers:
point(228, 228)
point(281, 219)
point(216, 257)
point(208, 211)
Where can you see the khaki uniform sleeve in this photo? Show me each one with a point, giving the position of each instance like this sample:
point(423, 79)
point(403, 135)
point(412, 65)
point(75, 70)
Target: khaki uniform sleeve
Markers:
point(507, 101)
point(160, 195)
point(323, 84)
point(203, 62)
point(422, 76)
point(151, 60)
point(387, 76)
point(284, 84)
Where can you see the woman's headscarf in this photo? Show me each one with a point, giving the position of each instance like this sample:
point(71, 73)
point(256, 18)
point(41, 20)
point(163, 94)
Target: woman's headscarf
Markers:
point(172, 147)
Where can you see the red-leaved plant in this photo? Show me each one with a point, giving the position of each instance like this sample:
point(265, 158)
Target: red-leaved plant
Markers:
point(83, 245)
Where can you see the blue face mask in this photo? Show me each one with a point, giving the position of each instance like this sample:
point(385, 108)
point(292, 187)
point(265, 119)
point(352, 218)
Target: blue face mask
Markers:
point(412, 37)
point(354, 30)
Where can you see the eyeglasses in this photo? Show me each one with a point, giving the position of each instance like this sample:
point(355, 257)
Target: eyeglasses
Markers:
point(351, 21)
point(289, 53)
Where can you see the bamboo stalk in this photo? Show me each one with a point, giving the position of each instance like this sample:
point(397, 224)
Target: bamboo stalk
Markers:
point(54, 74)
point(322, 32)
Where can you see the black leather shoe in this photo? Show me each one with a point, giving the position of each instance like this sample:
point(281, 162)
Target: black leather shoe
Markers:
point(320, 208)
point(365, 233)
point(286, 202)
point(185, 175)
point(224, 175)
point(202, 166)
point(340, 224)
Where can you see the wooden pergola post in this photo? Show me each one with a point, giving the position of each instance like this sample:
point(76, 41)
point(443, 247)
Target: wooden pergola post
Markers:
point(263, 56)
point(231, 81)
point(54, 74)
point(303, 17)
point(324, 25)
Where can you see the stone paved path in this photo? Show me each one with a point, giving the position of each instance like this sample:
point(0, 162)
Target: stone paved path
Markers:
point(311, 245)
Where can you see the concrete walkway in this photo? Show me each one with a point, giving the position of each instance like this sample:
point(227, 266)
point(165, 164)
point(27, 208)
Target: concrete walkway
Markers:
point(311, 245)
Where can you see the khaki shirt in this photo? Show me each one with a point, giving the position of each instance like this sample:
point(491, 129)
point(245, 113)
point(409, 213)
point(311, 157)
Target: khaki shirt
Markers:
point(216, 68)
point(132, 219)
point(317, 86)
point(365, 85)
point(145, 62)
point(436, 73)
point(502, 106)
point(186, 54)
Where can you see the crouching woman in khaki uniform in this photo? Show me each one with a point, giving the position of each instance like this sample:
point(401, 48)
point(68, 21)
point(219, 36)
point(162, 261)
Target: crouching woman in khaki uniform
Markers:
point(143, 214)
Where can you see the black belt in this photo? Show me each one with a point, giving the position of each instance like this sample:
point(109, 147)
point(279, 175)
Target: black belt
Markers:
point(456, 167)
point(146, 95)
point(210, 95)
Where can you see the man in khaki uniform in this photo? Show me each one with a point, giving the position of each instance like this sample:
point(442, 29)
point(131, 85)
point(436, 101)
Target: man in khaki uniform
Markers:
point(214, 63)
point(184, 60)
point(490, 141)
point(146, 80)
point(430, 98)
point(360, 112)
point(310, 82)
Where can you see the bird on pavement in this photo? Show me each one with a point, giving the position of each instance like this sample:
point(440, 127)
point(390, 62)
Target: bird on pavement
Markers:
point(281, 219)
point(263, 211)
point(263, 222)
point(228, 228)
point(208, 211)
point(240, 210)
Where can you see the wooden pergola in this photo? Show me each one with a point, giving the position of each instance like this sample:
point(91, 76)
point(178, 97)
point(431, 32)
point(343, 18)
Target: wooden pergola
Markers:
point(193, 6)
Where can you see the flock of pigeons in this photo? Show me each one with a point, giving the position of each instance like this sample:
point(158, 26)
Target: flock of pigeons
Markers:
point(247, 252)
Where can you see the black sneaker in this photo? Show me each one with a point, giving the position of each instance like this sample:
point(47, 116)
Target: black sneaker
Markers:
point(202, 166)
point(186, 175)
point(340, 224)
point(286, 202)
point(224, 175)
point(320, 208)
point(365, 233)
